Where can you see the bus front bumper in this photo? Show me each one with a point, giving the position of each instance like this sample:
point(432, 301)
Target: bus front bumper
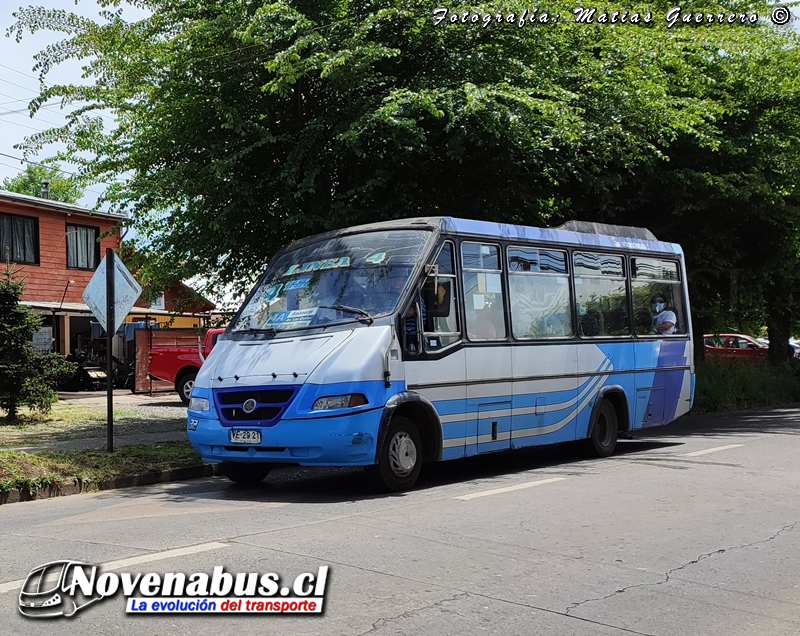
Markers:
point(346, 440)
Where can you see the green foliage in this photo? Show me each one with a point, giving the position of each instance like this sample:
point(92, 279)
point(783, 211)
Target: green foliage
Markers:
point(26, 378)
point(729, 385)
point(64, 189)
point(246, 125)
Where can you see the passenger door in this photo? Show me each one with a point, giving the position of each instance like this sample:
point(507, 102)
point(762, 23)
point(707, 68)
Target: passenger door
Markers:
point(489, 385)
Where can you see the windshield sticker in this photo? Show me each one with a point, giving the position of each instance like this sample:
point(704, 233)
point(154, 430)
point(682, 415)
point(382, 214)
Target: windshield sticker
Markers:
point(376, 259)
point(276, 318)
point(294, 318)
point(271, 293)
point(299, 283)
point(313, 266)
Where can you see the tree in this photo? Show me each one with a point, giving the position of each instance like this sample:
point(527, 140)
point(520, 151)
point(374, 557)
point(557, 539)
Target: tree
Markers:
point(26, 377)
point(30, 181)
point(246, 125)
point(734, 205)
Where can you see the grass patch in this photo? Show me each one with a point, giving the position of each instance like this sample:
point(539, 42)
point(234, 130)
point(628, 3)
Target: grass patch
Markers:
point(69, 422)
point(29, 471)
point(732, 385)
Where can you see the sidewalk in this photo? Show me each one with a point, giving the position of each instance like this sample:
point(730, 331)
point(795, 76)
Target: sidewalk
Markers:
point(100, 442)
point(121, 396)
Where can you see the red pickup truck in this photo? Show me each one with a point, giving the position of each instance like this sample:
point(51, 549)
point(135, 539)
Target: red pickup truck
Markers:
point(181, 364)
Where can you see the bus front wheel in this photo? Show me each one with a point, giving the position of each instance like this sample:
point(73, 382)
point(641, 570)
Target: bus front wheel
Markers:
point(603, 439)
point(399, 458)
point(246, 474)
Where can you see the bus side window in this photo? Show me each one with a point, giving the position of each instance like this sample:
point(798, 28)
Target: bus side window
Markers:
point(483, 291)
point(657, 296)
point(538, 293)
point(601, 295)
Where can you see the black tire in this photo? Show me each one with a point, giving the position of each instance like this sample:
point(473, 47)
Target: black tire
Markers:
point(246, 474)
point(184, 386)
point(603, 439)
point(399, 458)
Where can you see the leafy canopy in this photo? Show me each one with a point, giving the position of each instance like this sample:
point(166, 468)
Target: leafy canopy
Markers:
point(242, 126)
point(62, 188)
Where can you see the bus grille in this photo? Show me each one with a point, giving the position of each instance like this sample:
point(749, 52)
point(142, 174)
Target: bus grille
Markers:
point(270, 404)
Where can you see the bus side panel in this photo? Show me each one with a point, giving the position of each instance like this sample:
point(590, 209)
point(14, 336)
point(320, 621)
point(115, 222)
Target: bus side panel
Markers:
point(676, 381)
point(663, 385)
point(489, 390)
point(544, 409)
point(614, 365)
point(449, 398)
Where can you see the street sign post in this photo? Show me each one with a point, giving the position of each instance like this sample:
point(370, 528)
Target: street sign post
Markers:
point(110, 294)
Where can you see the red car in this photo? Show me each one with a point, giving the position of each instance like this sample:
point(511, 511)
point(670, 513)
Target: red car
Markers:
point(181, 364)
point(734, 345)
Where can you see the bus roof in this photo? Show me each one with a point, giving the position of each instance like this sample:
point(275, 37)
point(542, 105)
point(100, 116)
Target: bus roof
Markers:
point(580, 233)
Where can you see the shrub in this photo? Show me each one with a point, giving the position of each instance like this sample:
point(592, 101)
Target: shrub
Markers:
point(728, 385)
point(26, 377)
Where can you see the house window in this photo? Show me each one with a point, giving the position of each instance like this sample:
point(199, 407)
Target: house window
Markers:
point(83, 250)
point(19, 239)
point(158, 303)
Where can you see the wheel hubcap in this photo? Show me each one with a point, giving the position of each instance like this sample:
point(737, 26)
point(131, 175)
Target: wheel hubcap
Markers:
point(402, 454)
point(187, 388)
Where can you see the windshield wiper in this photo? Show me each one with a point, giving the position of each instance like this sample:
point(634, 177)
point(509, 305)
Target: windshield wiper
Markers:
point(351, 310)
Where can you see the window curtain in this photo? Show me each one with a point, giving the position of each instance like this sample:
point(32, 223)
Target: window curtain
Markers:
point(81, 247)
point(6, 253)
point(17, 239)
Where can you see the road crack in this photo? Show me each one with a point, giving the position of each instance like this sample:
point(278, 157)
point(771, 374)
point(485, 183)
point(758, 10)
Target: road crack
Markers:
point(667, 575)
point(382, 622)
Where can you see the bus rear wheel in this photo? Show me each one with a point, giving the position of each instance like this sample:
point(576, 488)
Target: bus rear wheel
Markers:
point(246, 474)
point(399, 458)
point(603, 439)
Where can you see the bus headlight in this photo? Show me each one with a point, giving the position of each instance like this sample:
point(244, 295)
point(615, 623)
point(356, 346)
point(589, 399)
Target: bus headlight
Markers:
point(198, 404)
point(339, 402)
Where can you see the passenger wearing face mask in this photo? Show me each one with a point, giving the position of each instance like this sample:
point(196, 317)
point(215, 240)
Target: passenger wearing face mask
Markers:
point(663, 318)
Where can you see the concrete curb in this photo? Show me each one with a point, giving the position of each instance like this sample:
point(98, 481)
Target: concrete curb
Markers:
point(78, 487)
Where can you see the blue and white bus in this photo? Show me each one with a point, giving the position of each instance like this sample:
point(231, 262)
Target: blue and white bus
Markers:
point(399, 343)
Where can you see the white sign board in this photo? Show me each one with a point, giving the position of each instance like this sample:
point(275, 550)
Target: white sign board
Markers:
point(126, 293)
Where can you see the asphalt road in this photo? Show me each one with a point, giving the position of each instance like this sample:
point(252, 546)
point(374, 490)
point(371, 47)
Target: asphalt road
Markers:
point(694, 529)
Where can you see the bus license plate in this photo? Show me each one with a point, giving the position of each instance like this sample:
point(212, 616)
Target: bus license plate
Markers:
point(244, 436)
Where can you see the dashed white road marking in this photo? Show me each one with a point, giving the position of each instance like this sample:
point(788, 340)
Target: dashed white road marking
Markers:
point(711, 450)
point(497, 491)
point(13, 586)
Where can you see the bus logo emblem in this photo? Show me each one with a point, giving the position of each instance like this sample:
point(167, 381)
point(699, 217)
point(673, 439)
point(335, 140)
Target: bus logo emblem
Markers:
point(249, 406)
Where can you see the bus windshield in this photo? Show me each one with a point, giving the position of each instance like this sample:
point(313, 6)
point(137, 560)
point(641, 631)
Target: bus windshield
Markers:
point(350, 278)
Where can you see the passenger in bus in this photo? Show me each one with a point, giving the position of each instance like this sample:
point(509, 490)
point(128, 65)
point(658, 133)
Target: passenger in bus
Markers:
point(411, 328)
point(664, 319)
point(480, 325)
